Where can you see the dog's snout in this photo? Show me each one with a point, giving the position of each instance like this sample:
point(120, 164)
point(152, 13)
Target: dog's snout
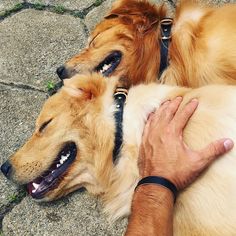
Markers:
point(6, 169)
point(62, 72)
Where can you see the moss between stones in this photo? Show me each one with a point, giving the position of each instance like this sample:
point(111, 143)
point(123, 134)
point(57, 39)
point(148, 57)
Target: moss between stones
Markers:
point(17, 197)
point(16, 8)
point(98, 3)
point(13, 200)
point(59, 9)
point(39, 6)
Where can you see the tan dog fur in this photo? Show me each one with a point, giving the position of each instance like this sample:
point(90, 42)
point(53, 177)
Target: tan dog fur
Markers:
point(83, 111)
point(202, 49)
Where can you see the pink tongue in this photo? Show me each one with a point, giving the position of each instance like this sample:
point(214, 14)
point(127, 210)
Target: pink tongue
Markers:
point(30, 188)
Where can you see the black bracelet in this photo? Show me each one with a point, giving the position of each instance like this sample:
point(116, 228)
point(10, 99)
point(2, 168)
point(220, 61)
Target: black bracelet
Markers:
point(159, 181)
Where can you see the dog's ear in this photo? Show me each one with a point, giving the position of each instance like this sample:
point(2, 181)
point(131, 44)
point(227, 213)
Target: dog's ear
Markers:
point(85, 87)
point(139, 13)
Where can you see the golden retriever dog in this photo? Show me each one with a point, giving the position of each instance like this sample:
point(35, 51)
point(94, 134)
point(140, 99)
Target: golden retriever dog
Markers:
point(127, 44)
point(74, 141)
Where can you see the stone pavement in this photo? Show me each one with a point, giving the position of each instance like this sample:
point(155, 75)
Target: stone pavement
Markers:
point(35, 38)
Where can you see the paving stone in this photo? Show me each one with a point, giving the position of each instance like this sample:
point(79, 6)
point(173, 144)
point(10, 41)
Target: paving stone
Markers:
point(72, 4)
point(8, 4)
point(97, 14)
point(218, 2)
point(18, 111)
point(78, 214)
point(212, 2)
point(34, 43)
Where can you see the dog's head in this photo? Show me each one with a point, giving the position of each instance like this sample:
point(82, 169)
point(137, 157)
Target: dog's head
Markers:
point(72, 144)
point(124, 44)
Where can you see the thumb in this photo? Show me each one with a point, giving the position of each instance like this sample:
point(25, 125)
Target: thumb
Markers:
point(215, 149)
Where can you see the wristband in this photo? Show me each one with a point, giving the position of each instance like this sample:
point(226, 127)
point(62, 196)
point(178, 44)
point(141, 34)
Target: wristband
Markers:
point(159, 181)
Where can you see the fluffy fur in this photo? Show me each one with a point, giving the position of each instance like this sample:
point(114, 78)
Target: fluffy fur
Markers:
point(83, 112)
point(202, 49)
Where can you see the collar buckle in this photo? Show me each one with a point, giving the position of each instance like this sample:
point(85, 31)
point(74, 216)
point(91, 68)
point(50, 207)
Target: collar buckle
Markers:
point(167, 21)
point(166, 25)
point(120, 90)
point(121, 93)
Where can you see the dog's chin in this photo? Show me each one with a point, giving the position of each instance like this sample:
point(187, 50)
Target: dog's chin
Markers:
point(43, 187)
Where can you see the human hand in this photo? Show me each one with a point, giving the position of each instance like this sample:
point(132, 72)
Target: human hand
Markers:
point(163, 151)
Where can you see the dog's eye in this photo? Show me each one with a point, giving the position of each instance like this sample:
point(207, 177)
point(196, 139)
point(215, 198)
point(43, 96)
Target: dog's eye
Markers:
point(44, 125)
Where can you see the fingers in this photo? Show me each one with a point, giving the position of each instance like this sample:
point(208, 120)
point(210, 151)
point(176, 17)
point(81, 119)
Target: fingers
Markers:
point(215, 149)
point(166, 112)
point(154, 117)
point(182, 116)
point(147, 127)
point(171, 109)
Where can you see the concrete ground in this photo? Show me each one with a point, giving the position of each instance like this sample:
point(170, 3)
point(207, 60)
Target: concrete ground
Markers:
point(37, 37)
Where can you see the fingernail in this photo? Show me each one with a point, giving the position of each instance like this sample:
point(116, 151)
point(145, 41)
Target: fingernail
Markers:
point(166, 102)
point(228, 144)
point(150, 115)
point(179, 98)
point(194, 100)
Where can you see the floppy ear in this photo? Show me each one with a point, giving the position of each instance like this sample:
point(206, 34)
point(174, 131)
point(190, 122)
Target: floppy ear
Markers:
point(139, 13)
point(85, 87)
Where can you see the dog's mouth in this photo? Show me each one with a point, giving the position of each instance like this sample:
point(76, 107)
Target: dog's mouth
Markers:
point(110, 63)
point(50, 179)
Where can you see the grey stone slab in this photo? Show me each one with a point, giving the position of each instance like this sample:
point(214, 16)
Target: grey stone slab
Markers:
point(34, 43)
point(8, 4)
point(97, 14)
point(72, 4)
point(78, 214)
point(218, 2)
point(212, 2)
point(18, 111)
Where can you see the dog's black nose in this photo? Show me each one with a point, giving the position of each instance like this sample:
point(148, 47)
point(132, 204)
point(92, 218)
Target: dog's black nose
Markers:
point(62, 72)
point(6, 169)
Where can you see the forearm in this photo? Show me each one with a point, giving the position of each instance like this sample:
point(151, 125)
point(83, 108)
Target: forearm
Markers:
point(152, 212)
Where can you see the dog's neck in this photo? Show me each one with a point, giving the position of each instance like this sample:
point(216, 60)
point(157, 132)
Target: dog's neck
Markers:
point(183, 58)
point(141, 101)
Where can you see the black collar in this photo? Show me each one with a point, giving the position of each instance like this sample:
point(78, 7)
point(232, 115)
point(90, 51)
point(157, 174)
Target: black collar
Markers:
point(120, 96)
point(166, 25)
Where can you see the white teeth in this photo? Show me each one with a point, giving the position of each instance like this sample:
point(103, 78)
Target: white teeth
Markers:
point(35, 187)
point(105, 68)
point(64, 158)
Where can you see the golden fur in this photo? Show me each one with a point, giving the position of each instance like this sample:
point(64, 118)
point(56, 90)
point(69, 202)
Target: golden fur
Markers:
point(83, 112)
point(202, 49)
